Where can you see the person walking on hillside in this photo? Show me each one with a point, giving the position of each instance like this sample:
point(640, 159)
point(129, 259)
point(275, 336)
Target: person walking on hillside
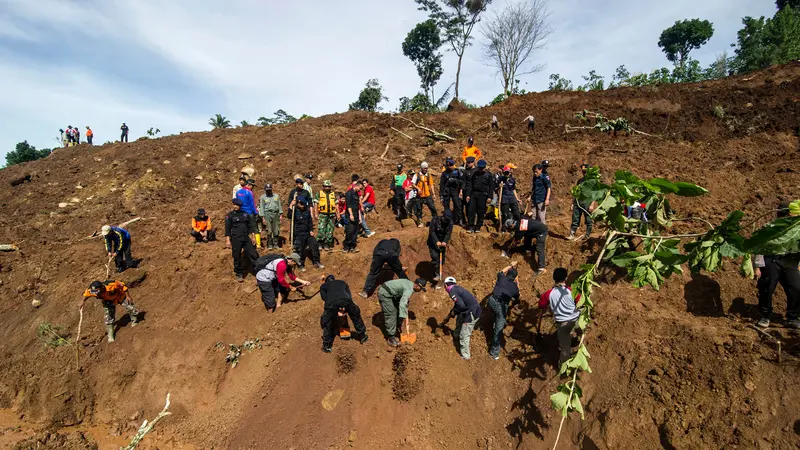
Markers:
point(510, 198)
point(275, 279)
point(396, 188)
point(353, 203)
point(386, 252)
point(495, 123)
point(423, 180)
point(471, 150)
point(89, 135)
point(467, 312)
point(579, 210)
point(452, 188)
point(245, 194)
point(112, 293)
point(304, 240)
point(326, 212)
point(540, 193)
point(118, 246)
point(338, 304)
point(201, 227)
point(394, 296)
point(269, 205)
point(565, 313)
point(367, 206)
point(773, 269)
point(533, 229)
point(239, 235)
point(298, 192)
point(438, 238)
point(504, 295)
point(531, 124)
point(480, 187)
point(124, 130)
point(247, 173)
point(469, 169)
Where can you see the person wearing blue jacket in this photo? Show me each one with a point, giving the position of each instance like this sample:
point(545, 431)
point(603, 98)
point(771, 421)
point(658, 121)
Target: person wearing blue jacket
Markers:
point(245, 194)
point(466, 310)
point(118, 246)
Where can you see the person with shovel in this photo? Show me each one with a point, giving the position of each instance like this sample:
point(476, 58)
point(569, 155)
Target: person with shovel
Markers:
point(438, 237)
point(525, 231)
point(504, 296)
point(338, 305)
point(118, 246)
point(466, 310)
point(274, 277)
point(112, 293)
point(393, 297)
point(386, 252)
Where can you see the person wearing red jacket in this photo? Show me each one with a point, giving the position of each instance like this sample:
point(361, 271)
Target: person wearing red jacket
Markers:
point(367, 205)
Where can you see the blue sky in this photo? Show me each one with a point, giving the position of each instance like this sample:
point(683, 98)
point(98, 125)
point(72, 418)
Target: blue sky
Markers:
point(173, 64)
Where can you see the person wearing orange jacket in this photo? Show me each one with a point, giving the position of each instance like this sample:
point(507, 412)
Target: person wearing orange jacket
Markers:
point(201, 227)
point(423, 181)
point(471, 150)
point(89, 135)
point(112, 293)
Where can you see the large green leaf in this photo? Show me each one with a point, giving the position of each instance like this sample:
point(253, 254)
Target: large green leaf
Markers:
point(626, 177)
point(779, 237)
point(608, 202)
point(559, 401)
point(794, 208)
point(625, 259)
point(746, 268)
point(689, 189)
point(577, 406)
point(665, 186)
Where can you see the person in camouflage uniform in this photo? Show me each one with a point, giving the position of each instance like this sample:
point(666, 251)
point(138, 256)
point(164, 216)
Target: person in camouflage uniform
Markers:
point(326, 212)
point(269, 206)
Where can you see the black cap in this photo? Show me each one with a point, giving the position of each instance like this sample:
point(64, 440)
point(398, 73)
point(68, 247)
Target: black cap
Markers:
point(450, 162)
point(201, 212)
point(96, 287)
point(310, 176)
point(482, 164)
point(237, 202)
point(298, 180)
point(268, 187)
point(470, 159)
point(421, 283)
point(251, 181)
point(329, 278)
point(545, 163)
point(537, 166)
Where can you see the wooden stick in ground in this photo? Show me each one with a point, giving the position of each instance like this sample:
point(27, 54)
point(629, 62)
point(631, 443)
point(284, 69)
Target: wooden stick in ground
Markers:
point(291, 230)
point(78, 340)
point(500, 208)
point(771, 337)
point(383, 155)
point(409, 137)
point(108, 267)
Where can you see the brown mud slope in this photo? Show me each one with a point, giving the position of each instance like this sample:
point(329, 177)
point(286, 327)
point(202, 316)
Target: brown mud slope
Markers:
point(674, 369)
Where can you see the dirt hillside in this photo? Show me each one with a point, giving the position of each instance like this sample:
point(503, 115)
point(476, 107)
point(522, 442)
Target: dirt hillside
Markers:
point(675, 369)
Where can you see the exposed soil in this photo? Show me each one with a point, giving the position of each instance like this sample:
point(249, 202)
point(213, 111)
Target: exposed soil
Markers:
point(679, 368)
point(55, 441)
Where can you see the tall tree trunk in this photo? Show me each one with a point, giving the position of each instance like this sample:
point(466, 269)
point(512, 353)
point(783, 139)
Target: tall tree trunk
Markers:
point(458, 74)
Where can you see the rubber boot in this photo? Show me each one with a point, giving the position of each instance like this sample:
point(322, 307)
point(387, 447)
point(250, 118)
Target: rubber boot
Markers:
point(134, 320)
point(258, 240)
point(110, 331)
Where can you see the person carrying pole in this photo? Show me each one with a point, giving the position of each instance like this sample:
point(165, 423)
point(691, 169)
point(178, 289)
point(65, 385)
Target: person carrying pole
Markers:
point(438, 237)
point(118, 246)
point(467, 312)
point(504, 296)
point(386, 252)
point(394, 296)
point(271, 214)
point(338, 304)
point(112, 293)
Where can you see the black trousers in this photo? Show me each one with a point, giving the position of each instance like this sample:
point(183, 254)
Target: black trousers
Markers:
point(212, 235)
point(477, 209)
point(786, 273)
point(305, 243)
point(426, 201)
point(239, 244)
point(541, 247)
point(270, 291)
point(531, 126)
point(123, 137)
point(378, 260)
point(434, 251)
point(329, 321)
point(399, 201)
point(89, 139)
point(351, 235)
point(123, 260)
point(457, 210)
point(579, 211)
point(508, 209)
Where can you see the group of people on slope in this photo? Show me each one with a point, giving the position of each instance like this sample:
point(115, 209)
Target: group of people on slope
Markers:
point(72, 135)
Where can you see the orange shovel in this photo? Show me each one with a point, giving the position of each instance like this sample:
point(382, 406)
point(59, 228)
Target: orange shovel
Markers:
point(408, 338)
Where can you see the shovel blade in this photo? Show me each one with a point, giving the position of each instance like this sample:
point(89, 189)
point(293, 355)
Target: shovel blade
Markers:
point(409, 338)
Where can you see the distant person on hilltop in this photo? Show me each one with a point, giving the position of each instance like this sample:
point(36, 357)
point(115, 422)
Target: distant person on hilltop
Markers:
point(531, 124)
point(89, 135)
point(77, 135)
point(471, 150)
point(112, 293)
point(63, 137)
point(124, 136)
point(70, 136)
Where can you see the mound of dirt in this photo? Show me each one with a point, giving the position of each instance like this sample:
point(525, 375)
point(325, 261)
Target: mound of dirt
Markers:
point(345, 361)
point(408, 374)
point(56, 441)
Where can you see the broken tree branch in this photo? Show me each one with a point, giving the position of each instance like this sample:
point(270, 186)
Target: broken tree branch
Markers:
point(433, 133)
point(409, 137)
point(147, 427)
point(8, 248)
point(383, 155)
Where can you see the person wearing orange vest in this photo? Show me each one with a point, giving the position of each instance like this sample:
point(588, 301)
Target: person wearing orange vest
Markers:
point(326, 211)
point(471, 150)
point(201, 227)
point(89, 135)
point(423, 180)
point(112, 293)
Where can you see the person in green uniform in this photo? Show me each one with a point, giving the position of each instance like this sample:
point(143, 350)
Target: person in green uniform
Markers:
point(269, 205)
point(326, 211)
point(393, 296)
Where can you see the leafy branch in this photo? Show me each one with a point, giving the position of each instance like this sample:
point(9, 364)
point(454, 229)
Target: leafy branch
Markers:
point(147, 427)
point(603, 124)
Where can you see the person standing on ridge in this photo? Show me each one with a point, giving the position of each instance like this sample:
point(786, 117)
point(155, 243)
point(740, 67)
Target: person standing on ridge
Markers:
point(77, 135)
point(304, 240)
point(451, 187)
point(89, 135)
point(338, 303)
point(467, 312)
point(469, 169)
point(423, 180)
point(271, 214)
point(411, 202)
point(238, 234)
point(326, 212)
point(124, 136)
point(471, 150)
point(565, 313)
point(531, 124)
point(70, 136)
point(201, 227)
point(579, 210)
point(394, 296)
point(480, 187)
point(495, 123)
point(503, 297)
point(353, 203)
point(540, 193)
point(386, 252)
point(396, 188)
point(112, 293)
point(438, 237)
point(118, 246)
point(245, 194)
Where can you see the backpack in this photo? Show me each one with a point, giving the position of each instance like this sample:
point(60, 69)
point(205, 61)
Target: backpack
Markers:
point(263, 261)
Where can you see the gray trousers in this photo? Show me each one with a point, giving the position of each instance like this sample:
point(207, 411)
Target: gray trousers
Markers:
point(464, 332)
point(539, 212)
point(273, 227)
point(391, 311)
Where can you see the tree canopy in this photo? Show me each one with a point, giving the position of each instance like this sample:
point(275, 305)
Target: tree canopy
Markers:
point(683, 37)
point(764, 42)
point(369, 97)
point(794, 4)
point(25, 152)
point(219, 121)
point(421, 47)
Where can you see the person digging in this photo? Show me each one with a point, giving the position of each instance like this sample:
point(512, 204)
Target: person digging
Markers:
point(118, 246)
point(438, 237)
point(467, 312)
point(386, 252)
point(338, 305)
point(112, 293)
point(275, 277)
point(525, 232)
point(504, 295)
point(394, 296)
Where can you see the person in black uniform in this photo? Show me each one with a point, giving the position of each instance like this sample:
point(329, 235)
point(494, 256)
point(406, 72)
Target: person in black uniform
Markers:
point(296, 193)
point(238, 237)
point(480, 187)
point(534, 230)
point(438, 238)
point(304, 240)
point(504, 295)
point(784, 269)
point(510, 200)
point(469, 169)
point(452, 188)
point(338, 302)
point(386, 252)
point(352, 211)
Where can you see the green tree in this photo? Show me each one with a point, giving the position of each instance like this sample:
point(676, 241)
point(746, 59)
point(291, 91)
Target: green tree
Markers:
point(683, 37)
point(794, 4)
point(558, 83)
point(421, 47)
point(594, 82)
point(455, 19)
point(219, 121)
point(720, 68)
point(765, 42)
point(25, 152)
point(621, 78)
point(689, 72)
point(244, 123)
point(370, 97)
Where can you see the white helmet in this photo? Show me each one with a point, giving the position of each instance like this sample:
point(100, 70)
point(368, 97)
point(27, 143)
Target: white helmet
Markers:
point(424, 165)
point(106, 230)
point(449, 280)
